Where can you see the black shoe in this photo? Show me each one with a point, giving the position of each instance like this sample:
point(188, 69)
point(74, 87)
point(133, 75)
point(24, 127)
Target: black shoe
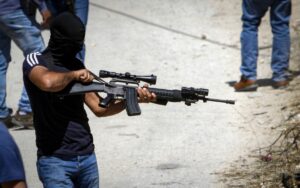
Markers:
point(7, 120)
point(23, 119)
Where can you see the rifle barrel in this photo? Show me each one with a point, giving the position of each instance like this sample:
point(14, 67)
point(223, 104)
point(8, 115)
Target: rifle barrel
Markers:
point(220, 100)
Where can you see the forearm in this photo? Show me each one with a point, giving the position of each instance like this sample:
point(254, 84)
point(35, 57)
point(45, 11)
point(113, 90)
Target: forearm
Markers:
point(58, 81)
point(92, 100)
point(52, 81)
point(113, 108)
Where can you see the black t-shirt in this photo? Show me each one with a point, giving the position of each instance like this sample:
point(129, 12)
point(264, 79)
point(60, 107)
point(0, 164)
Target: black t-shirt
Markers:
point(61, 123)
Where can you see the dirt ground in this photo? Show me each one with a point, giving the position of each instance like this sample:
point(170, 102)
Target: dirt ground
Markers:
point(276, 162)
point(185, 43)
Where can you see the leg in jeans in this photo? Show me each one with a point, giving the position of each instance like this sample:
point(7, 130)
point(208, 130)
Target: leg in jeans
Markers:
point(79, 172)
point(81, 10)
point(280, 16)
point(56, 172)
point(253, 11)
point(88, 176)
point(29, 39)
point(5, 45)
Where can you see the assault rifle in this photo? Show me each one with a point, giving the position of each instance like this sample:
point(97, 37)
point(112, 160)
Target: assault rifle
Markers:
point(123, 87)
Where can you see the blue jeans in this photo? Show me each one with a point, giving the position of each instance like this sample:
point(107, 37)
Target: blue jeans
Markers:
point(67, 172)
point(16, 26)
point(81, 10)
point(280, 12)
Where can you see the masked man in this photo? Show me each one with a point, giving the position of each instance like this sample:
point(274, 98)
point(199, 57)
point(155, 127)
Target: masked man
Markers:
point(65, 144)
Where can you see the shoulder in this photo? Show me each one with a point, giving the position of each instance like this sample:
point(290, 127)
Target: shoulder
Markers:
point(32, 60)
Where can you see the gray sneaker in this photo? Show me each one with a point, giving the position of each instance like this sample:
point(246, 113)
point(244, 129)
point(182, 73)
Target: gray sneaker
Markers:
point(24, 120)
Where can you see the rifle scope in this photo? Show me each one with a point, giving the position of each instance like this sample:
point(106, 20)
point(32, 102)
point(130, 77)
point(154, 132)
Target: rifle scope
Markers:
point(151, 79)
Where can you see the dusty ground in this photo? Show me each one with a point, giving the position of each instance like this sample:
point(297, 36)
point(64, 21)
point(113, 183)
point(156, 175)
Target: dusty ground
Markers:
point(264, 166)
point(276, 162)
point(185, 43)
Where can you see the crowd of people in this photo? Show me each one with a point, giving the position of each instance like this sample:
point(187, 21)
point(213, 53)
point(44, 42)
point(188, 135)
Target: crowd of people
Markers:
point(65, 148)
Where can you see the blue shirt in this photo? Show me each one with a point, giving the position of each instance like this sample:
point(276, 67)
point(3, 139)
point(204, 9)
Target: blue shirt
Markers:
point(9, 6)
point(11, 165)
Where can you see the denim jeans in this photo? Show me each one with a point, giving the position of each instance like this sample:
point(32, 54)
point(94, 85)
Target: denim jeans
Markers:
point(81, 10)
point(68, 172)
point(280, 12)
point(16, 26)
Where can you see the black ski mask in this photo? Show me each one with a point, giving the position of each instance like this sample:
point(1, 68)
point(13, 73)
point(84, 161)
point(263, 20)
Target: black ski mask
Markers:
point(67, 36)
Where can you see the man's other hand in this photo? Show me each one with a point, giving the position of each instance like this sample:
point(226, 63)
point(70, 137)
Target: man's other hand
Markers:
point(144, 94)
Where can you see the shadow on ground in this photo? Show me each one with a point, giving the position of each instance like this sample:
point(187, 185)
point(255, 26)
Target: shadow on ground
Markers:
point(265, 82)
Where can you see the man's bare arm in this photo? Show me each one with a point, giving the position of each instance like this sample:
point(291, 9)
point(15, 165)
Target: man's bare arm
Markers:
point(92, 100)
point(52, 81)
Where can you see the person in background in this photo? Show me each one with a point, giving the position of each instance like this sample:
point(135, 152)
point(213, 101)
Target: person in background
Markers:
point(12, 174)
point(15, 25)
point(79, 7)
point(253, 11)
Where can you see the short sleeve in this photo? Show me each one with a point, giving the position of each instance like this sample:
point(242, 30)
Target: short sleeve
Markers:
point(31, 61)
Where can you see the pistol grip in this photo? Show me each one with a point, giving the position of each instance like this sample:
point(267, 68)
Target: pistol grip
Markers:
point(105, 102)
point(132, 105)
